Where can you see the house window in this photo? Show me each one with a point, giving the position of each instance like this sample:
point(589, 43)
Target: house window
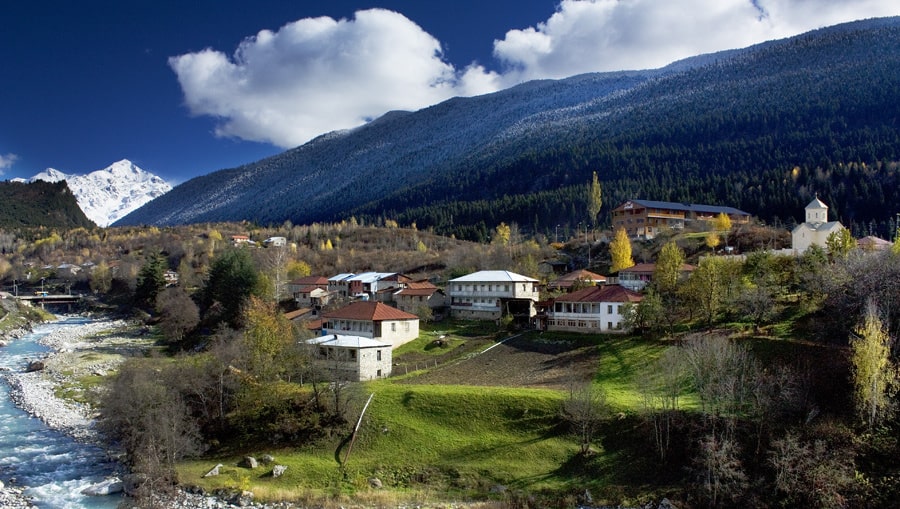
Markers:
point(378, 374)
point(609, 309)
point(352, 355)
point(393, 327)
point(406, 326)
point(378, 358)
point(609, 326)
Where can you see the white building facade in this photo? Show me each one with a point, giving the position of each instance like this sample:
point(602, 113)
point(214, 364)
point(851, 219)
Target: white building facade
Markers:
point(353, 358)
point(490, 294)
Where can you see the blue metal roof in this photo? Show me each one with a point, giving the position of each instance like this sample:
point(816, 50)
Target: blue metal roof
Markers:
point(689, 207)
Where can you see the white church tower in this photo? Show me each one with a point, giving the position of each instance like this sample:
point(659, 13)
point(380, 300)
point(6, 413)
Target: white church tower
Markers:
point(816, 229)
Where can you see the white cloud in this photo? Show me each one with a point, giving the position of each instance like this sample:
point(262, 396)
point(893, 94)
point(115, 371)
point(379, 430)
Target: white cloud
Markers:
point(320, 74)
point(609, 35)
point(6, 161)
point(316, 75)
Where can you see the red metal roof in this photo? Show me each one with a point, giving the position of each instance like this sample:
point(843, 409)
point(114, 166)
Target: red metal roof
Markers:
point(368, 310)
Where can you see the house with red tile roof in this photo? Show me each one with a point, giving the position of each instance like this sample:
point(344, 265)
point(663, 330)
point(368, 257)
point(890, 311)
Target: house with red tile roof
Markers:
point(591, 310)
point(374, 320)
point(581, 276)
point(637, 277)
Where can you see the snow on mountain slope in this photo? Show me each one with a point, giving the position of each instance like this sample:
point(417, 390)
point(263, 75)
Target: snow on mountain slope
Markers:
point(111, 193)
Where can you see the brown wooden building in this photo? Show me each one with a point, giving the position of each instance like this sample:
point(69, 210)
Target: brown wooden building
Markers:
point(645, 218)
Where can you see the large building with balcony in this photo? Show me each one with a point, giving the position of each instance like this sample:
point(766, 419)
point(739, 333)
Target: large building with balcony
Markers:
point(491, 294)
point(645, 219)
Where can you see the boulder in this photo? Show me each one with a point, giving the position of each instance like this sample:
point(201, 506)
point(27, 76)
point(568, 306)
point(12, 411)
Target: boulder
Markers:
point(375, 483)
point(278, 470)
point(34, 366)
point(214, 471)
point(267, 459)
point(105, 487)
point(248, 462)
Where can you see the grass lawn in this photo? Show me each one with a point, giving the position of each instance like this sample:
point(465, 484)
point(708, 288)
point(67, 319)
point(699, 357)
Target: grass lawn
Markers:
point(455, 442)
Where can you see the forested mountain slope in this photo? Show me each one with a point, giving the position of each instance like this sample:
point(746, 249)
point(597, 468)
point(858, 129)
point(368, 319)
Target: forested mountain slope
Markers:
point(39, 204)
point(761, 129)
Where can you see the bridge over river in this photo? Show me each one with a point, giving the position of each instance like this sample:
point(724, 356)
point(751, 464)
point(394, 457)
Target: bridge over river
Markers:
point(45, 299)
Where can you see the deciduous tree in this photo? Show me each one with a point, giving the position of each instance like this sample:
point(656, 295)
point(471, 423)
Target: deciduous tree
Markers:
point(874, 375)
point(178, 313)
point(620, 251)
point(585, 409)
point(840, 243)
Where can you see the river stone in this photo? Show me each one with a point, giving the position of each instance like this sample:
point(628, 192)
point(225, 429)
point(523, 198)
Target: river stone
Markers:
point(278, 470)
point(248, 462)
point(34, 366)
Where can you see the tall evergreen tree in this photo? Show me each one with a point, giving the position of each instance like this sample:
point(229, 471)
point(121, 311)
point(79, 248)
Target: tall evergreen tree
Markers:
point(151, 280)
point(595, 199)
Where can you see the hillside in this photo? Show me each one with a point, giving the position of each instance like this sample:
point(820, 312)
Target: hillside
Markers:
point(39, 204)
point(761, 129)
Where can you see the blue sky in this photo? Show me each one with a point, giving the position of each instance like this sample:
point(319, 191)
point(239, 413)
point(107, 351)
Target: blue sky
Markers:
point(187, 87)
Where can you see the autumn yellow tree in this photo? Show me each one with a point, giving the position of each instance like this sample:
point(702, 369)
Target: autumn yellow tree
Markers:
point(875, 377)
point(722, 224)
point(712, 240)
point(502, 234)
point(620, 251)
point(297, 269)
point(668, 268)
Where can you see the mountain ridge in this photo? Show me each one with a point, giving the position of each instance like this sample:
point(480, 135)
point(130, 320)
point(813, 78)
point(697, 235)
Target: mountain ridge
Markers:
point(679, 133)
point(109, 194)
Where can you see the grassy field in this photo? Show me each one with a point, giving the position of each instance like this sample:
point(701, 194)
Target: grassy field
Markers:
point(457, 442)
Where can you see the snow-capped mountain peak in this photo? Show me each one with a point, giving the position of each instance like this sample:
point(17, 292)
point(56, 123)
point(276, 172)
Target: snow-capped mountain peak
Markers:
point(111, 193)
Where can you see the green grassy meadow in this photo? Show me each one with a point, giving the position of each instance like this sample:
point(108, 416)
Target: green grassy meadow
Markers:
point(457, 442)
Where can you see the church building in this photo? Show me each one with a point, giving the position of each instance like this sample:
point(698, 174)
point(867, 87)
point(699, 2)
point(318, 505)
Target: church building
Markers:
point(816, 229)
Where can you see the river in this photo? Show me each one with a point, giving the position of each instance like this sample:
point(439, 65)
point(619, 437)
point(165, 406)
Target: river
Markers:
point(51, 465)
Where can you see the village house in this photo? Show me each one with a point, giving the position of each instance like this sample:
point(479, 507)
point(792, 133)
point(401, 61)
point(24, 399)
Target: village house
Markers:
point(578, 278)
point(637, 277)
point(275, 242)
point(872, 243)
point(369, 284)
point(171, 278)
point(373, 320)
point(352, 358)
point(340, 285)
point(309, 291)
point(237, 240)
point(645, 219)
point(421, 293)
point(816, 229)
point(491, 294)
point(591, 310)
